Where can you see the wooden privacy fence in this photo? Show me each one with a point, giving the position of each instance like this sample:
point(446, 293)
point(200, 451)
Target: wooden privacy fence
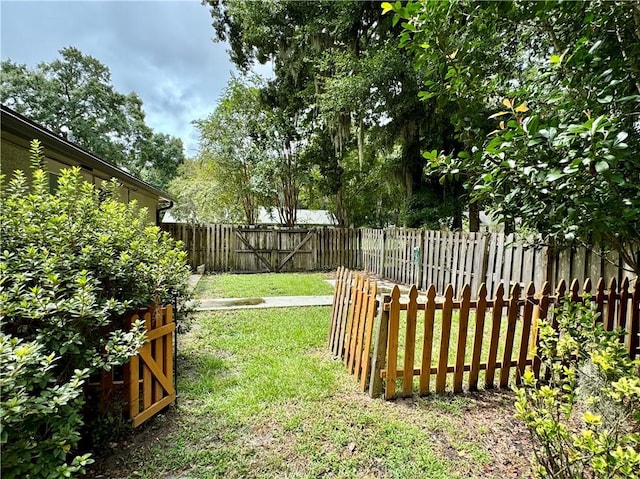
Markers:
point(423, 344)
point(258, 249)
point(146, 382)
point(443, 258)
point(407, 256)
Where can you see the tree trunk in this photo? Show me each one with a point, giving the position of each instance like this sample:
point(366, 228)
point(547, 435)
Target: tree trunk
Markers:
point(413, 165)
point(474, 217)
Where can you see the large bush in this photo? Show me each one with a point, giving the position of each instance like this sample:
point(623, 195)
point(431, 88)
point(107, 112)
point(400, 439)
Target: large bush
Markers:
point(584, 415)
point(73, 262)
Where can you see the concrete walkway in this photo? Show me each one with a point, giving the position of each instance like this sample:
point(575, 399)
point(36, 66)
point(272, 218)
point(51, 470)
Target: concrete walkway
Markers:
point(193, 280)
point(258, 303)
point(213, 304)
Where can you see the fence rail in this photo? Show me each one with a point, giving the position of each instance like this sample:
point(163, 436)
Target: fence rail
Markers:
point(429, 343)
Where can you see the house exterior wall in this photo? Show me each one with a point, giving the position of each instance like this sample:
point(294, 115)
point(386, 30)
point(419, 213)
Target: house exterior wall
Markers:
point(14, 155)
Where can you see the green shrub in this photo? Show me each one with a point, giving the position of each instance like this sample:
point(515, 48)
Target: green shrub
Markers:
point(584, 416)
point(73, 262)
point(40, 415)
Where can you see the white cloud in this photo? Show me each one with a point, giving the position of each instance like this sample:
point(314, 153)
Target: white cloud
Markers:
point(162, 50)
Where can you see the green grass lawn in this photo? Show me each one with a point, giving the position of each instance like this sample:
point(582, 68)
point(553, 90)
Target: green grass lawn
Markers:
point(261, 285)
point(261, 397)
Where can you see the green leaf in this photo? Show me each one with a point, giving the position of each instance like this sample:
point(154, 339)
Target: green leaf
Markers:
point(425, 95)
point(602, 166)
point(555, 59)
point(409, 26)
point(554, 175)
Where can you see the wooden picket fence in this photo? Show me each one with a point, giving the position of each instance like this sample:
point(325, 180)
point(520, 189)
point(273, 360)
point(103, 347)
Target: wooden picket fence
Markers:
point(426, 344)
point(354, 311)
point(443, 258)
point(146, 383)
point(402, 255)
point(148, 376)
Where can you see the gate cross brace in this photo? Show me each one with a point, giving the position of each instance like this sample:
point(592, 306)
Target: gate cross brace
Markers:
point(296, 249)
point(260, 257)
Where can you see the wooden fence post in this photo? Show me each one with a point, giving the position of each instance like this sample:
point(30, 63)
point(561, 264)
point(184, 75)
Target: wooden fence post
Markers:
point(634, 330)
point(380, 350)
point(383, 254)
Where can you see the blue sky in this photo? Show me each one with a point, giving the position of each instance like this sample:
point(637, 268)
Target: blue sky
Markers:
point(162, 50)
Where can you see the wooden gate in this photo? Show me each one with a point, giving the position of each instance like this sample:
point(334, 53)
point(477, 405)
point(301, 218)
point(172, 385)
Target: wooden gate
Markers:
point(148, 377)
point(273, 250)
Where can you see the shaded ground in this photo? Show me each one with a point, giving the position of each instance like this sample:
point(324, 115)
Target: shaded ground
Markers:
point(261, 397)
point(476, 434)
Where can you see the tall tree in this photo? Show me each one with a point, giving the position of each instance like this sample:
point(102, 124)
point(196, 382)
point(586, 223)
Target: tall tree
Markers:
point(201, 195)
point(563, 158)
point(336, 55)
point(283, 139)
point(74, 93)
point(230, 141)
point(162, 156)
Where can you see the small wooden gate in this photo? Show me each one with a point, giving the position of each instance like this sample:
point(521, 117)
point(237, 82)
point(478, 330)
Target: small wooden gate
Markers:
point(273, 250)
point(148, 377)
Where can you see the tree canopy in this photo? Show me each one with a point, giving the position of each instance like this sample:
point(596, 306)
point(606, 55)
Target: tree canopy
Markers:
point(351, 90)
point(562, 158)
point(74, 93)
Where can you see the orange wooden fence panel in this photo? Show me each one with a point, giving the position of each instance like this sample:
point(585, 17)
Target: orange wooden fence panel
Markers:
point(352, 318)
point(148, 377)
point(459, 338)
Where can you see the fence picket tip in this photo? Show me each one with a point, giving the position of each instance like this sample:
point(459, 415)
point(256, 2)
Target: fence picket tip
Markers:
point(395, 293)
point(500, 291)
point(531, 290)
point(625, 284)
point(561, 289)
point(431, 292)
point(575, 289)
point(586, 288)
point(546, 289)
point(448, 294)
point(413, 293)
point(466, 292)
point(482, 291)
